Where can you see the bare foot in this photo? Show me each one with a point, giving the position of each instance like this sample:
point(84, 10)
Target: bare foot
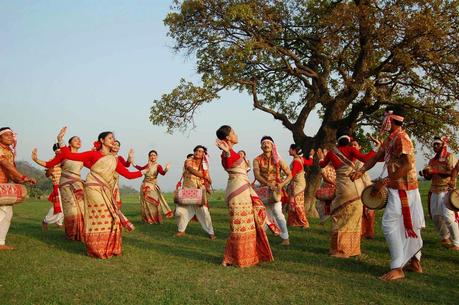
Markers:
point(179, 234)
point(285, 242)
point(225, 264)
point(5, 247)
point(212, 236)
point(305, 227)
point(44, 226)
point(393, 275)
point(454, 248)
point(446, 242)
point(414, 266)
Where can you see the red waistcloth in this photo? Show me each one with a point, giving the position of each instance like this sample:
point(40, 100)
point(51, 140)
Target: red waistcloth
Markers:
point(406, 213)
point(55, 199)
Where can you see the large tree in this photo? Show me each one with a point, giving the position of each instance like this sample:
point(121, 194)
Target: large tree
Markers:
point(345, 59)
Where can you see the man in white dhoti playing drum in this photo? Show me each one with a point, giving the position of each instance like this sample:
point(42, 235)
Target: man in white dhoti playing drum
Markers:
point(267, 169)
point(8, 174)
point(403, 217)
point(440, 170)
point(196, 176)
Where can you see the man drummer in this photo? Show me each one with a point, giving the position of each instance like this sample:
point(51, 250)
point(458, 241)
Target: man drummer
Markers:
point(403, 217)
point(8, 173)
point(440, 169)
point(267, 169)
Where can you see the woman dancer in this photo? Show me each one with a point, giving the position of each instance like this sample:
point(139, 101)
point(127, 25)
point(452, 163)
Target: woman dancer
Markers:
point(103, 218)
point(346, 208)
point(152, 201)
point(247, 244)
point(296, 212)
point(70, 186)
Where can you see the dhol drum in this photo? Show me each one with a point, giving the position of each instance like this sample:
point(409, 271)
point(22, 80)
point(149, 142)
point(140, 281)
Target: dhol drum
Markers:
point(376, 201)
point(11, 193)
point(264, 193)
point(453, 200)
point(326, 193)
point(188, 196)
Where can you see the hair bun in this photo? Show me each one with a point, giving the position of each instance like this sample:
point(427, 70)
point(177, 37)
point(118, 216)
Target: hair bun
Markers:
point(97, 145)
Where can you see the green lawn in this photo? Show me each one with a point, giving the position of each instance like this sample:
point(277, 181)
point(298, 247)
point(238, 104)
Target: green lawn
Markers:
point(157, 268)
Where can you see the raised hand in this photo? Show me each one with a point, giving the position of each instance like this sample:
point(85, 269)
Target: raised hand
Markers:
point(131, 156)
point(61, 134)
point(35, 154)
point(320, 154)
point(222, 145)
point(168, 166)
point(375, 140)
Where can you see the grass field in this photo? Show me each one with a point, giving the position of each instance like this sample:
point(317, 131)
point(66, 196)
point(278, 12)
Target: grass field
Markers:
point(157, 268)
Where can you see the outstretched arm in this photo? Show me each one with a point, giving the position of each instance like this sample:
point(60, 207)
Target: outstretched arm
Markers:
point(14, 174)
point(123, 171)
point(163, 171)
point(368, 165)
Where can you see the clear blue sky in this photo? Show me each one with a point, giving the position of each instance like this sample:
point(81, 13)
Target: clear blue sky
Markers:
point(98, 65)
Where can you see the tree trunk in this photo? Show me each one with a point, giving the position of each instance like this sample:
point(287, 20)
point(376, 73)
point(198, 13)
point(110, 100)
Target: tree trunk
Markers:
point(324, 138)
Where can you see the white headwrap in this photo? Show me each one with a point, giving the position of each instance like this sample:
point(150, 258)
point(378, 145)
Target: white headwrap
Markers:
point(13, 146)
point(276, 155)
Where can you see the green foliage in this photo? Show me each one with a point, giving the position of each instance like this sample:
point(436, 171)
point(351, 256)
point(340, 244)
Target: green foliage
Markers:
point(347, 59)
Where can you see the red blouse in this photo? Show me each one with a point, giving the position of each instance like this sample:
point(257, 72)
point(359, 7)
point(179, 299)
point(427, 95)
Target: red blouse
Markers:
point(349, 152)
point(124, 162)
point(228, 162)
point(297, 167)
point(58, 158)
point(160, 168)
point(89, 158)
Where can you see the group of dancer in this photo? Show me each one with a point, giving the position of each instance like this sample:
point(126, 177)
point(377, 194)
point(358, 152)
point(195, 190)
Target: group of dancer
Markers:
point(91, 208)
point(403, 216)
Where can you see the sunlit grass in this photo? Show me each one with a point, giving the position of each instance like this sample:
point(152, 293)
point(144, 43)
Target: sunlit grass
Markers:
point(157, 268)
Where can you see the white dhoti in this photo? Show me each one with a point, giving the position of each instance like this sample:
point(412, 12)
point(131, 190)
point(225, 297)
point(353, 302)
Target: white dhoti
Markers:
point(448, 228)
point(274, 211)
point(436, 210)
point(6, 213)
point(184, 213)
point(403, 248)
point(51, 218)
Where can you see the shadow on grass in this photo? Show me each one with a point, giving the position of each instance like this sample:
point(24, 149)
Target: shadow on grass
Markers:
point(54, 237)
